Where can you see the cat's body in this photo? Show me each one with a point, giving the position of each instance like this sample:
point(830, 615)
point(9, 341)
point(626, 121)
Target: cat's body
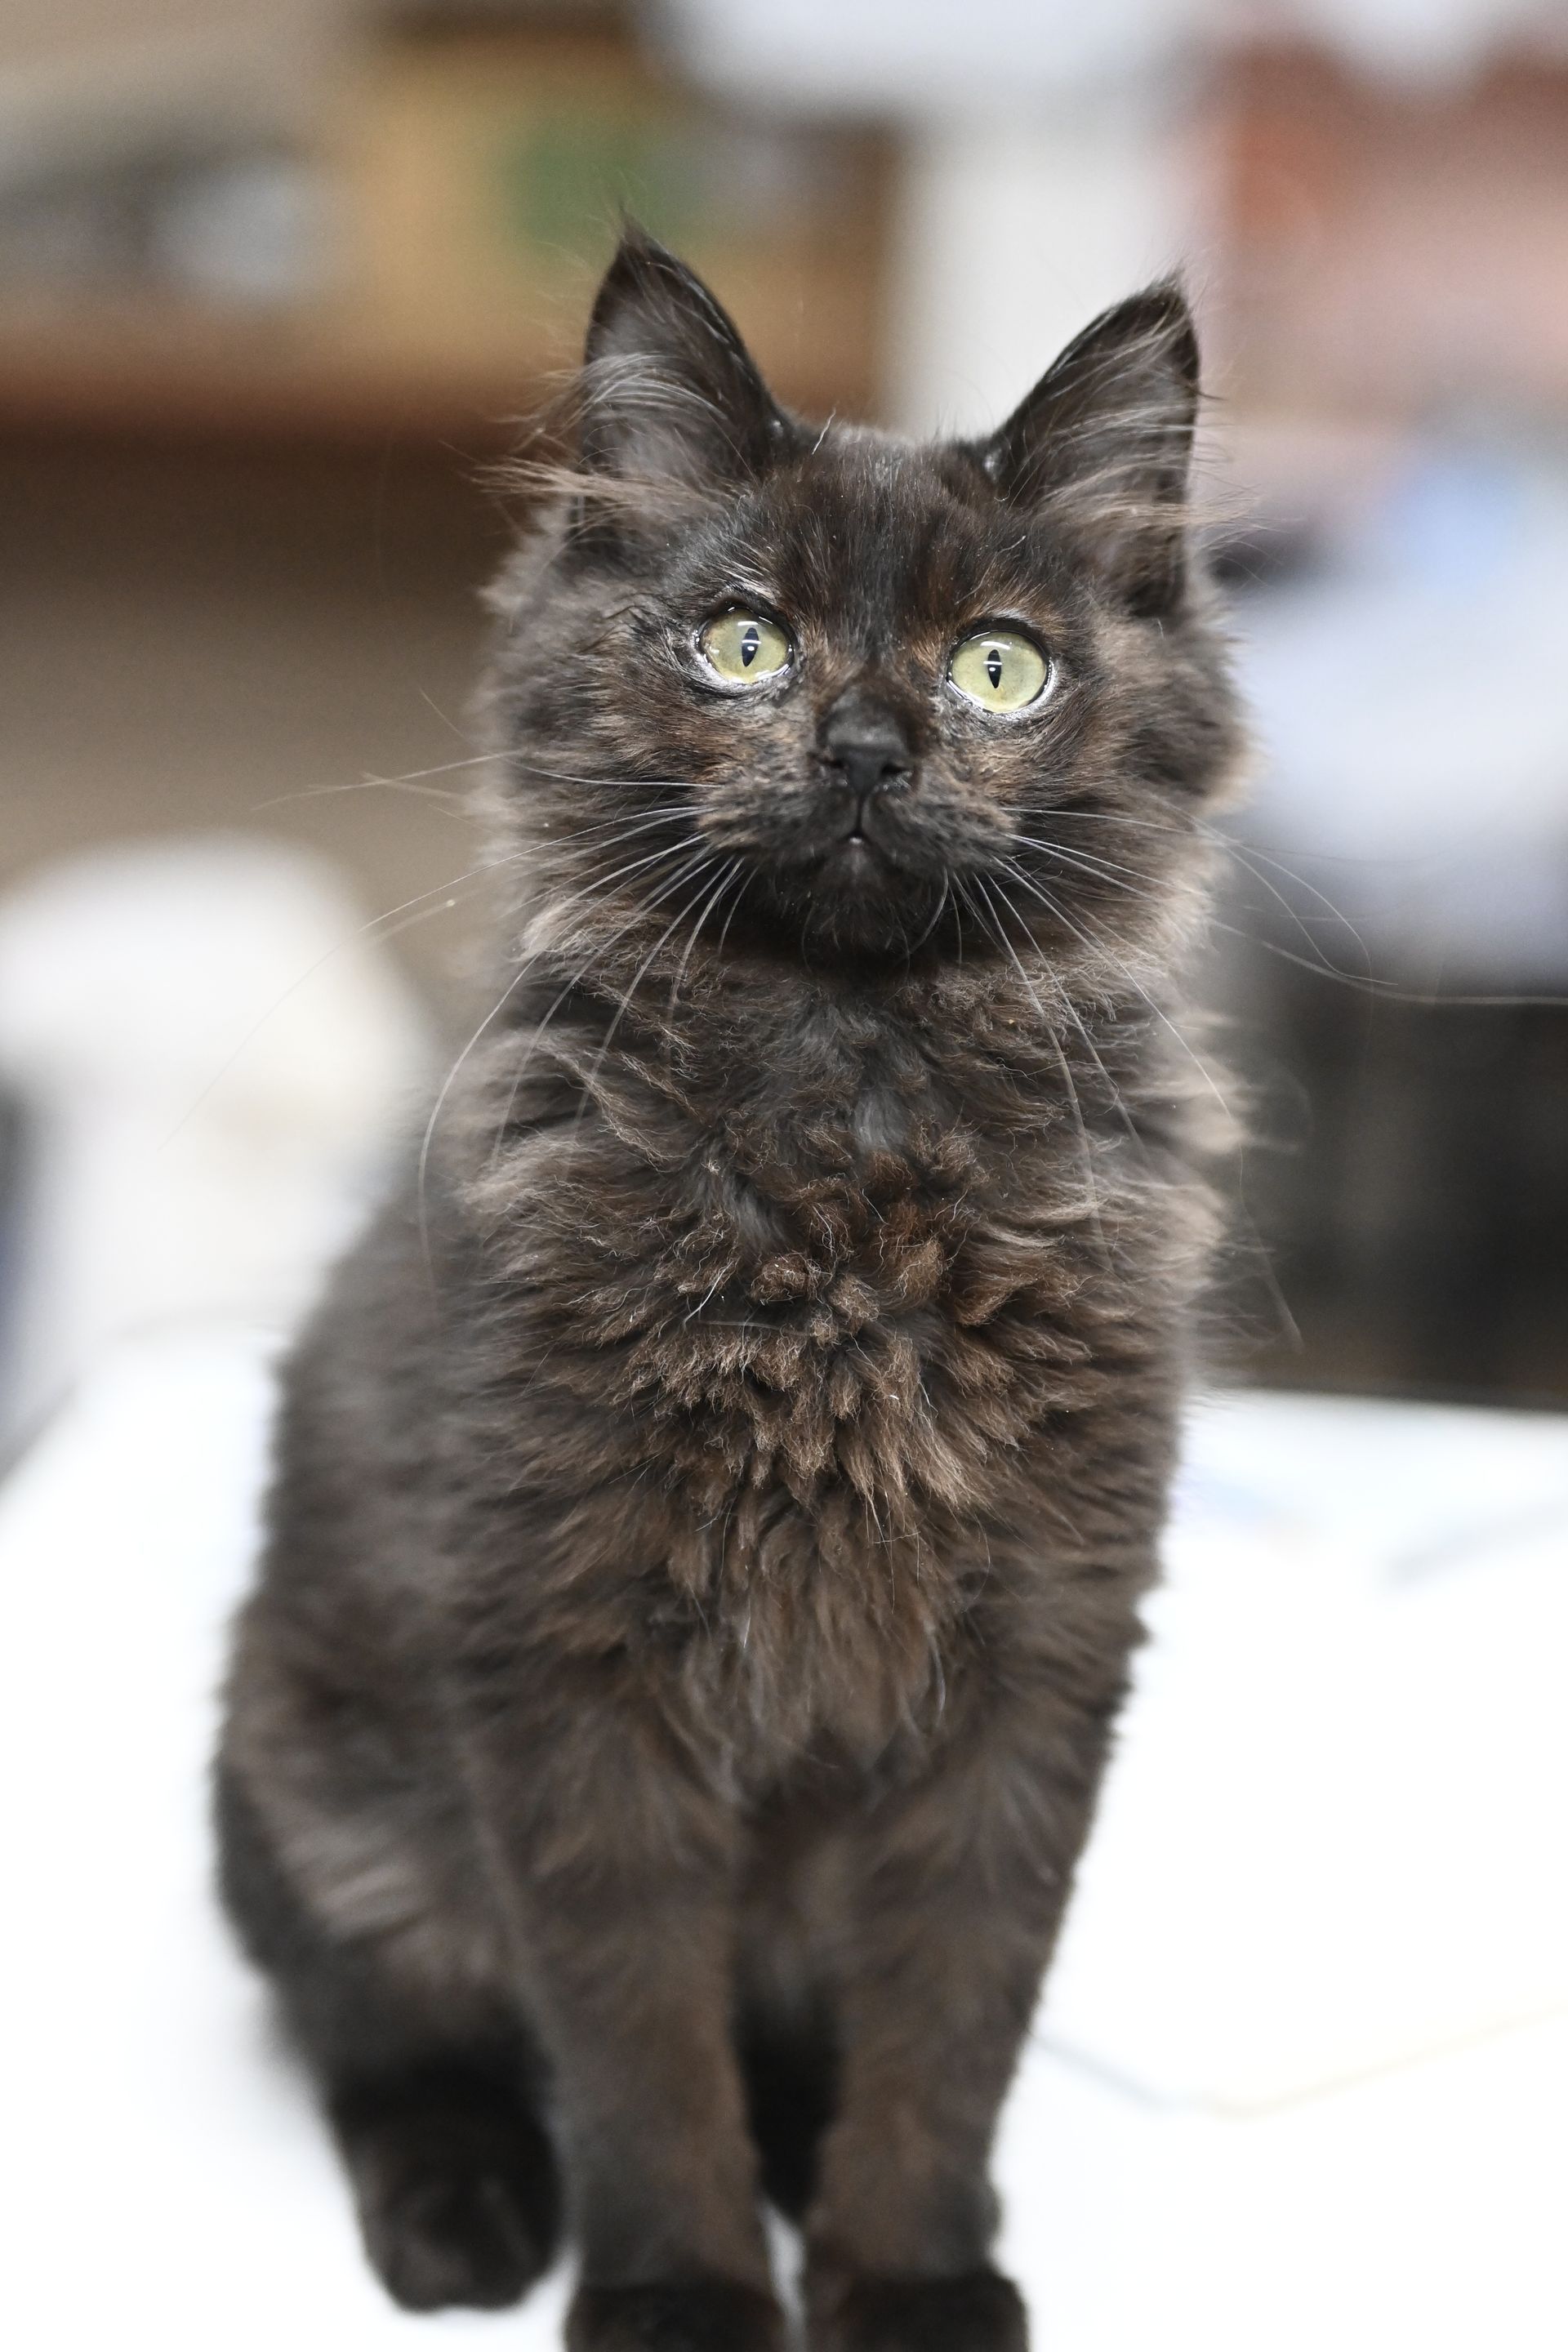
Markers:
point(714, 1503)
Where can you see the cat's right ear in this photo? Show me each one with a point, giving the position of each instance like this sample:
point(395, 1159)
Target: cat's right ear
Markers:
point(670, 395)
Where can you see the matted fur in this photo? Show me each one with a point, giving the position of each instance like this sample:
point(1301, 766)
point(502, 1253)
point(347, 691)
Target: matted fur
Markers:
point(712, 1503)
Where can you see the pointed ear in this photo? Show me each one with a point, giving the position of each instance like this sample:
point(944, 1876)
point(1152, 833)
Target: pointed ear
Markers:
point(1105, 440)
point(668, 392)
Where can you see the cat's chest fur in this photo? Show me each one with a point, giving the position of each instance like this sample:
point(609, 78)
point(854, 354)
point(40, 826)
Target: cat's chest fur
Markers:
point(810, 1307)
point(845, 1284)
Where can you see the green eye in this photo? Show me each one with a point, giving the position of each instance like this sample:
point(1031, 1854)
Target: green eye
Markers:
point(999, 669)
point(743, 648)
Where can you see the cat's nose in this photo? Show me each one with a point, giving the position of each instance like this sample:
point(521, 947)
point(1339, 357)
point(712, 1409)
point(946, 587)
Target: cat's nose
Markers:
point(866, 750)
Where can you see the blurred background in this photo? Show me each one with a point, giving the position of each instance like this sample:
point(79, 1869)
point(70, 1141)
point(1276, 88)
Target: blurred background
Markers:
point(275, 286)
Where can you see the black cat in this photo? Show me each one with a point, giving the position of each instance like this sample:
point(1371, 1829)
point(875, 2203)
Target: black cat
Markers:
point(713, 1503)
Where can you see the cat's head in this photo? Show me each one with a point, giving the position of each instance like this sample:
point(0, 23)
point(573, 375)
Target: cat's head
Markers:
point(819, 692)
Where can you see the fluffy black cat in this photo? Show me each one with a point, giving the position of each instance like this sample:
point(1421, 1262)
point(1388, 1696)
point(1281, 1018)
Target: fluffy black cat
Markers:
point(712, 1503)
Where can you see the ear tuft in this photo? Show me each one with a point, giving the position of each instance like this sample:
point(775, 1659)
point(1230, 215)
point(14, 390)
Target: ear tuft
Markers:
point(1105, 441)
point(668, 392)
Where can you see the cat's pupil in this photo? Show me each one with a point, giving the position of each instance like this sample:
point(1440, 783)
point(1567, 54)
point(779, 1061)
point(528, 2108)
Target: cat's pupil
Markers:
point(750, 638)
point(994, 667)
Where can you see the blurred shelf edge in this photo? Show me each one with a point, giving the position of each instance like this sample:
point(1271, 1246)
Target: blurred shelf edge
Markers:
point(174, 381)
point(155, 380)
point(159, 367)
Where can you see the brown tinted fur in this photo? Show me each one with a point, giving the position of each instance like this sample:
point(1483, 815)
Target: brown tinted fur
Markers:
point(712, 1505)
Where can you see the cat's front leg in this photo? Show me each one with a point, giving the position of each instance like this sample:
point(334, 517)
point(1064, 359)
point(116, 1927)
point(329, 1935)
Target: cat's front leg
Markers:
point(960, 1887)
point(618, 1865)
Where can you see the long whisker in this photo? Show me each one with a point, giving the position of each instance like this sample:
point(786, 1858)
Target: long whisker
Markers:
point(725, 880)
point(493, 1015)
point(1098, 869)
point(1096, 943)
point(601, 839)
point(635, 981)
point(1335, 913)
point(1327, 969)
point(1112, 1089)
point(626, 783)
point(1010, 865)
point(1059, 809)
point(618, 874)
point(1049, 1027)
point(1288, 1319)
point(1250, 858)
point(1389, 991)
point(1288, 1323)
point(911, 952)
point(452, 804)
point(747, 880)
point(409, 782)
point(665, 813)
point(430, 1125)
point(574, 979)
point(1248, 854)
point(365, 930)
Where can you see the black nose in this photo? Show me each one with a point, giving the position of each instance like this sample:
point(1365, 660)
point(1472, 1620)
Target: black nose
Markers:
point(866, 751)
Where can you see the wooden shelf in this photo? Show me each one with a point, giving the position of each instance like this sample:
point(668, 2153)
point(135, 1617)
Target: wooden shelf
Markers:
point(158, 374)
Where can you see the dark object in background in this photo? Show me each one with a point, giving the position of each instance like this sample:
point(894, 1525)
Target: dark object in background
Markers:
point(1410, 1188)
point(13, 1205)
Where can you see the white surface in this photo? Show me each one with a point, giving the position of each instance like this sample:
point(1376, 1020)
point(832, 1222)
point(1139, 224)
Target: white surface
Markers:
point(168, 2184)
point(1433, 818)
point(976, 316)
point(204, 1033)
point(927, 57)
point(1338, 1810)
point(895, 56)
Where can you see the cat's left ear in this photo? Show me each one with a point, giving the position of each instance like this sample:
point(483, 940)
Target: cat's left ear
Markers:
point(669, 393)
point(1105, 439)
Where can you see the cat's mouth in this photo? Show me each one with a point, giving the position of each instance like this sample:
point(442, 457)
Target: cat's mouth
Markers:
point(861, 871)
point(856, 856)
point(870, 881)
point(867, 850)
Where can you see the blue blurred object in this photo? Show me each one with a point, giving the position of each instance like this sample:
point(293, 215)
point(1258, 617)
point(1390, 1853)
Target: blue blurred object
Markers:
point(1407, 698)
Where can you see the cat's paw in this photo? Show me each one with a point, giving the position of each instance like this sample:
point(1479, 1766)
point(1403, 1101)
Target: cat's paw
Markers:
point(698, 2315)
point(455, 2206)
point(980, 2311)
point(453, 2238)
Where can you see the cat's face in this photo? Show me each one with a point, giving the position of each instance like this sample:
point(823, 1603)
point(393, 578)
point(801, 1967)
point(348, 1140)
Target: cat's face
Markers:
point(831, 693)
